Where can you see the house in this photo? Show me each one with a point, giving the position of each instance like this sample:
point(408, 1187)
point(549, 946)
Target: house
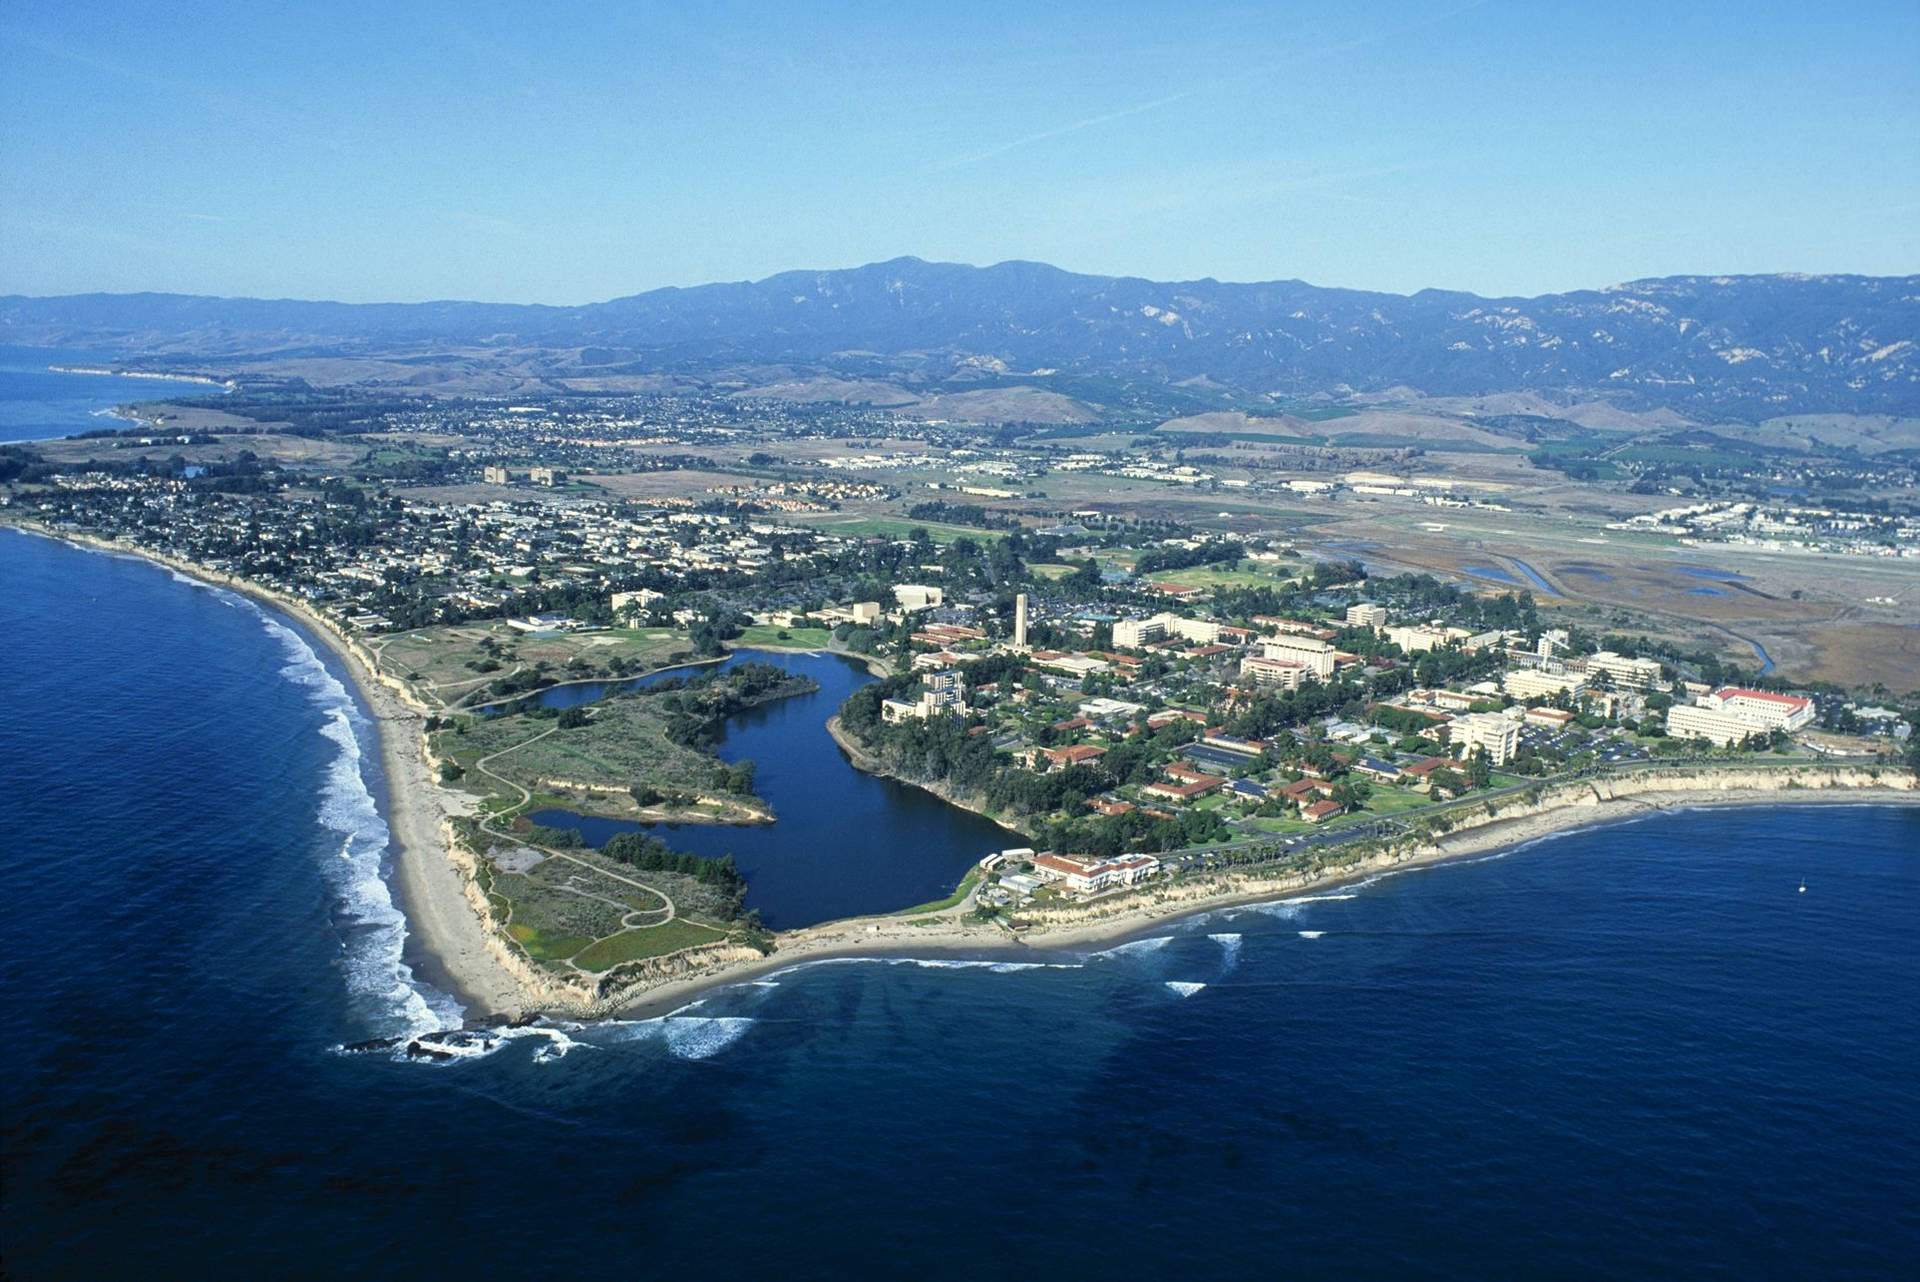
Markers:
point(1320, 811)
point(1303, 791)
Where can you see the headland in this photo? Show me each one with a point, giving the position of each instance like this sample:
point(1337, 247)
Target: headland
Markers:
point(441, 885)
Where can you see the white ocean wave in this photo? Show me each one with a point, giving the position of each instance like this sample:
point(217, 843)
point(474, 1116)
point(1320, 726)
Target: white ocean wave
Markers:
point(1183, 987)
point(1133, 947)
point(921, 963)
point(685, 1036)
point(375, 940)
point(1229, 948)
point(1312, 934)
point(1288, 908)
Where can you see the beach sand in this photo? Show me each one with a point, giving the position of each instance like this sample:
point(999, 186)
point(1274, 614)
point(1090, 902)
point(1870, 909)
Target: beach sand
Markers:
point(449, 943)
point(460, 949)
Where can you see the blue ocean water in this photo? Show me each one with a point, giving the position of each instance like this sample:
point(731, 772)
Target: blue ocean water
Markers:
point(37, 404)
point(1631, 1052)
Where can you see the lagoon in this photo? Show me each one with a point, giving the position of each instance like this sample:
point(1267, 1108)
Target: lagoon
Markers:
point(845, 843)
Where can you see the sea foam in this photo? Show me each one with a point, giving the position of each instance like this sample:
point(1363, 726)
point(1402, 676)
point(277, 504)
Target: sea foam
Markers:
point(1229, 948)
point(374, 930)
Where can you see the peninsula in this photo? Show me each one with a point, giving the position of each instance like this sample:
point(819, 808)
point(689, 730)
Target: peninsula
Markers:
point(1179, 668)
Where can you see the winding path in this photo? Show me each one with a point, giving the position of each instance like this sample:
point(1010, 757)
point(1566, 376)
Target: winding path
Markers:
point(526, 798)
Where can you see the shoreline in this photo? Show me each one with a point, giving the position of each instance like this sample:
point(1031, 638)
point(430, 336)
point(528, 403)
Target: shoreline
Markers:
point(432, 884)
point(1105, 924)
point(448, 920)
point(108, 371)
point(866, 763)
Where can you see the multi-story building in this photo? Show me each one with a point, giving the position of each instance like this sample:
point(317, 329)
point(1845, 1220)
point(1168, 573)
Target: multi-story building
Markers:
point(1731, 714)
point(1625, 673)
point(1366, 615)
point(1132, 634)
point(1287, 674)
point(1416, 637)
point(1315, 655)
point(1541, 685)
point(915, 596)
point(1769, 711)
point(1498, 735)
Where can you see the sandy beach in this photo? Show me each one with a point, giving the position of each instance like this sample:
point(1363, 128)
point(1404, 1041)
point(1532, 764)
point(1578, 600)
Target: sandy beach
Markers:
point(459, 948)
point(449, 941)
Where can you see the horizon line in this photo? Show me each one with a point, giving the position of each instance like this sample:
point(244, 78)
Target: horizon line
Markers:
point(930, 262)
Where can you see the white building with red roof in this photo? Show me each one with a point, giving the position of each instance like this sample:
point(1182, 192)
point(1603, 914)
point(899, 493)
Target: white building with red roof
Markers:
point(1732, 713)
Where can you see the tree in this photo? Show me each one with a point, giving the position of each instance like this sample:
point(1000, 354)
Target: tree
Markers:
point(1479, 768)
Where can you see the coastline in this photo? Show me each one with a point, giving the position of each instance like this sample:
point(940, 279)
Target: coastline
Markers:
point(435, 885)
point(448, 915)
point(157, 376)
point(1105, 923)
point(861, 760)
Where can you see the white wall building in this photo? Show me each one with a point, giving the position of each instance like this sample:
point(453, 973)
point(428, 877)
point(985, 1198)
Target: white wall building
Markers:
point(1497, 734)
point(1731, 714)
point(1541, 685)
point(1315, 655)
point(1366, 615)
point(1132, 634)
point(917, 596)
point(1625, 673)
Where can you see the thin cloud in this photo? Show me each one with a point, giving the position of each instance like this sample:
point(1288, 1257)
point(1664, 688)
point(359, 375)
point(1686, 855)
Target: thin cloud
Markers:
point(1060, 132)
point(1211, 86)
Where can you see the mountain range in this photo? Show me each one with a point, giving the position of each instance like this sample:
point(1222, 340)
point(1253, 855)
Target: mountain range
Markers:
point(1720, 347)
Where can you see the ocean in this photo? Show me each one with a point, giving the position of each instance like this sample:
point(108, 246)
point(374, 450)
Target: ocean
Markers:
point(37, 404)
point(1637, 1051)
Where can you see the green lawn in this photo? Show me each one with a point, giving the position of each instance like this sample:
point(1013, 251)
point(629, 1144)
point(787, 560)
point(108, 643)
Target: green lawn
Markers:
point(967, 883)
point(545, 945)
point(767, 634)
point(894, 527)
point(1396, 801)
point(1212, 576)
point(652, 941)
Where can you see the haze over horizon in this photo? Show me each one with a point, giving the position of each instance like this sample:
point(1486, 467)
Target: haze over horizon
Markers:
point(438, 152)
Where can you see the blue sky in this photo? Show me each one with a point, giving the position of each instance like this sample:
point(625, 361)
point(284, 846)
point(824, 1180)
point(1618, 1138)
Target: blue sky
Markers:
point(565, 154)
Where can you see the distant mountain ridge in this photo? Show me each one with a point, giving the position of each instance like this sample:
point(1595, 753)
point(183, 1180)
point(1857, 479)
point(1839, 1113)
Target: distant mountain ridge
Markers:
point(1733, 346)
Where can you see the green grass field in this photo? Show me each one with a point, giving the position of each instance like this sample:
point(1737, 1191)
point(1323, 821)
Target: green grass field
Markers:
point(967, 883)
point(623, 744)
point(653, 941)
point(767, 634)
point(892, 527)
point(1213, 576)
point(446, 663)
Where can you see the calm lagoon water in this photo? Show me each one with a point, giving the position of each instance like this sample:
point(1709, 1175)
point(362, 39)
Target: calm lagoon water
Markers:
point(846, 843)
